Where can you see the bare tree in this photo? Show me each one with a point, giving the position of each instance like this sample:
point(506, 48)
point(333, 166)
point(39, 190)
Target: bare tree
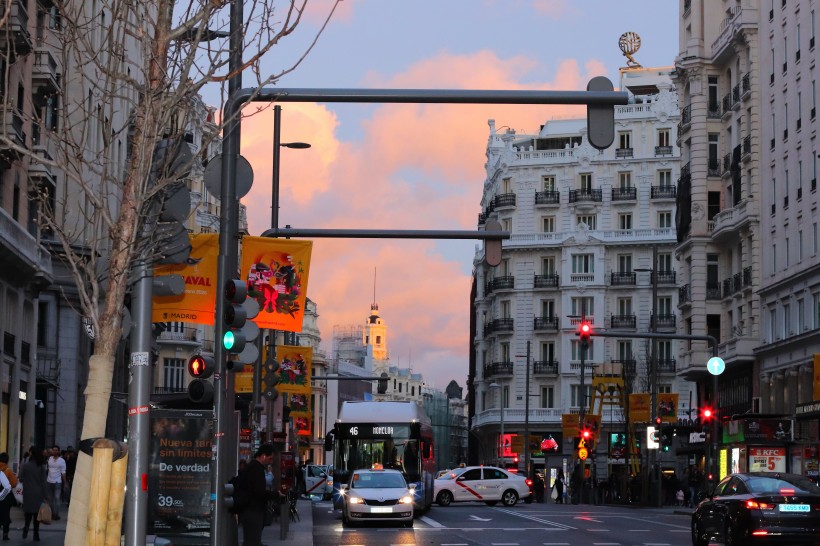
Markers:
point(130, 71)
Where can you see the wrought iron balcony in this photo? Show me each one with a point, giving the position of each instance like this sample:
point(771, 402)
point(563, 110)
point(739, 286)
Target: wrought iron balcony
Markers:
point(498, 368)
point(665, 277)
point(728, 288)
point(713, 110)
point(504, 200)
point(545, 323)
point(499, 325)
point(623, 321)
point(546, 281)
point(17, 37)
point(482, 218)
point(727, 164)
point(545, 367)
point(684, 293)
point(623, 152)
point(547, 197)
point(664, 321)
point(666, 365)
point(506, 282)
point(736, 94)
point(747, 276)
point(664, 192)
point(727, 103)
point(622, 278)
point(625, 194)
point(44, 74)
point(712, 290)
point(747, 84)
point(713, 166)
point(581, 196)
point(663, 150)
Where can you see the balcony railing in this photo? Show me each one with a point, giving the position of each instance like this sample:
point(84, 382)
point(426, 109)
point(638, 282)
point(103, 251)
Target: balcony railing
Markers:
point(498, 368)
point(624, 194)
point(547, 197)
point(685, 118)
point(621, 153)
point(663, 150)
point(628, 366)
point(507, 282)
point(712, 291)
point(579, 196)
point(623, 321)
point(727, 164)
point(546, 281)
point(504, 200)
point(747, 276)
point(713, 110)
point(665, 277)
point(747, 146)
point(684, 293)
point(545, 323)
point(737, 281)
point(728, 288)
point(666, 365)
point(727, 103)
point(664, 321)
point(735, 94)
point(542, 367)
point(622, 278)
point(16, 23)
point(663, 192)
point(746, 82)
point(499, 325)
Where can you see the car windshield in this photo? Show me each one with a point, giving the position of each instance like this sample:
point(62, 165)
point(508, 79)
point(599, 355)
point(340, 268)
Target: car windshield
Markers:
point(782, 485)
point(456, 472)
point(378, 481)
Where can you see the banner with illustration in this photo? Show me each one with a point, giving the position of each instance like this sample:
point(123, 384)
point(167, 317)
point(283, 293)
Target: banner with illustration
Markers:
point(277, 274)
point(197, 303)
point(667, 407)
point(639, 408)
point(569, 425)
point(294, 384)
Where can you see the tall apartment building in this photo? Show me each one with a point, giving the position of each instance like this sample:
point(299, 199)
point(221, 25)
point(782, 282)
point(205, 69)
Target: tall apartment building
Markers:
point(584, 225)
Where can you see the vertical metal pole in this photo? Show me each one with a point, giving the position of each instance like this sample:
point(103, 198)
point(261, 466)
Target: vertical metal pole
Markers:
point(715, 414)
point(653, 362)
point(503, 441)
point(274, 200)
point(139, 398)
point(527, 418)
point(579, 477)
point(223, 526)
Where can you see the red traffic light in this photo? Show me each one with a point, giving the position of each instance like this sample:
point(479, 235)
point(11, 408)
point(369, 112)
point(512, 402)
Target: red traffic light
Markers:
point(707, 413)
point(586, 434)
point(586, 328)
point(201, 366)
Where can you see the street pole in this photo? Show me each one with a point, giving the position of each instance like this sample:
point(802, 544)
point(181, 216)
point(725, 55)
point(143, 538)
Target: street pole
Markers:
point(503, 441)
point(654, 367)
point(527, 418)
point(223, 525)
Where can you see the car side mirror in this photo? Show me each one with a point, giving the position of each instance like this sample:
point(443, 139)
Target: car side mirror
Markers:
point(322, 475)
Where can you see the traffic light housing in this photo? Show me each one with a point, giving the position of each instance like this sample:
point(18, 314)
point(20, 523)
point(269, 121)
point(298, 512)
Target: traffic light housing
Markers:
point(239, 332)
point(667, 435)
point(270, 378)
point(584, 332)
point(382, 386)
point(707, 415)
point(200, 389)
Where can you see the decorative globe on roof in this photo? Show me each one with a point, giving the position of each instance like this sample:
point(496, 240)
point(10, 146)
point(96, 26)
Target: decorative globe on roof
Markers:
point(630, 43)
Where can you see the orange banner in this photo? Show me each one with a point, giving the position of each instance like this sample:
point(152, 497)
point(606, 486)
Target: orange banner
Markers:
point(667, 407)
point(277, 275)
point(817, 377)
point(198, 302)
point(569, 425)
point(639, 408)
point(295, 364)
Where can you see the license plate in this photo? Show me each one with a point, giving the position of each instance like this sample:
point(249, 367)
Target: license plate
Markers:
point(381, 509)
point(795, 508)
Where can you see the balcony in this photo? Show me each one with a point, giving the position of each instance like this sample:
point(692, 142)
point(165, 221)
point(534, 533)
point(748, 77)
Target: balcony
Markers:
point(546, 281)
point(546, 323)
point(13, 129)
point(685, 294)
point(664, 192)
point(623, 153)
point(624, 194)
point(747, 277)
point(664, 322)
point(661, 151)
point(729, 221)
point(623, 322)
point(685, 119)
point(44, 75)
point(503, 325)
point(586, 196)
point(17, 37)
point(622, 278)
point(666, 365)
point(713, 291)
point(545, 367)
point(713, 110)
point(727, 165)
point(736, 96)
point(504, 200)
point(187, 336)
point(746, 152)
point(497, 369)
point(667, 277)
point(626, 367)
point(506, 282)
point(548, 197)
point(746, 86)
point(482, 218)
point(726, 104)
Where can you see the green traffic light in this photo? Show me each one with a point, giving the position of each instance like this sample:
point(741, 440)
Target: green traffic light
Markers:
point(228, 340)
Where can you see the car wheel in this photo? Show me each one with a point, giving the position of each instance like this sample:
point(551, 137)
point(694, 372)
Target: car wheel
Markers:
point(345, 521)
point(444, 498)
point(696, 540)
point(509, 498)
point(491, 503)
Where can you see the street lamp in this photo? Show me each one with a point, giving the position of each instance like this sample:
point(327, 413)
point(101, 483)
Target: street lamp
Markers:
point(277, 124)
point(495, 385)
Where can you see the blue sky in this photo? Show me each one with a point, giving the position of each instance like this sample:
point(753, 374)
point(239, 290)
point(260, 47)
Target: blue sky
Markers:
point(422, 167)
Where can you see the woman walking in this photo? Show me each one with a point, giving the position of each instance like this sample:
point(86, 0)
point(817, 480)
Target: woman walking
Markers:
point(33, 476)
point(559, 487)
point(9, 480)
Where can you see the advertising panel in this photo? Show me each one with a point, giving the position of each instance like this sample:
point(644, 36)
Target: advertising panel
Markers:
point(639, 408)
point(767, 459)
point(197, 303)
point(295, 363)
point(179, 472)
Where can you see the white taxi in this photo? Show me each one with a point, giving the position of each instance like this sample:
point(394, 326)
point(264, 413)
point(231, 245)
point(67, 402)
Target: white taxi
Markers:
point(377, 495)
point(486, 484)
point(318, 480)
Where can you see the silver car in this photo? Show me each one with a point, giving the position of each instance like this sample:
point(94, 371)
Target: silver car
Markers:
point(377, 495)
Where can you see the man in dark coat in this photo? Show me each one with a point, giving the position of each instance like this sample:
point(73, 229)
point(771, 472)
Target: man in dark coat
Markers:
point(252, 484)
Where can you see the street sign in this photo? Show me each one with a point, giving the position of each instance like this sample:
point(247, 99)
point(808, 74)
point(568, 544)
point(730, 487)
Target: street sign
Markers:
point(583, 454)
point(715, 365)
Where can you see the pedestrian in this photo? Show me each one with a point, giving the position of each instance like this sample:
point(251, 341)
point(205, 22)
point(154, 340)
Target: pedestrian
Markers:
point(70, 469)
point(559, 488)
point(695, 478)
point(33, 476)
point(9, 481)
point(56, 480)
point(538, 487)
point(254, 490)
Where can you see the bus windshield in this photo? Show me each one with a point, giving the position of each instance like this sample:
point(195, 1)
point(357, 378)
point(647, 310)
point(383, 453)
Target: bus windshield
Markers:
point(394, 453)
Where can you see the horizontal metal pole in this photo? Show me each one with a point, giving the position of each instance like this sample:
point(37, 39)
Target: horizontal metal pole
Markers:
point(387, 234)
point(345, 378)
point(691, 337)
point(442, 96)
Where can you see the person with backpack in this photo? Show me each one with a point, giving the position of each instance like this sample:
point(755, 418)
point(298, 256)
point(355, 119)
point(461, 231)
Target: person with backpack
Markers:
point(251, 496)
point(8, 481)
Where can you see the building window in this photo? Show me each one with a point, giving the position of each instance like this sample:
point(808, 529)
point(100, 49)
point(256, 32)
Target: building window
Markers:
point(577, 350)
point(624, 140)
point(548, 350)
point(548, 183)
point(801, 316)
point(547, 397)
point(787, 320)
point(625, 179)
point(583, 263)
point(549, 224)
point(173, 374)
point(815, 319)
point(665, 219)
point(586, 182)
point(591, 220)
point(505, 309)
point(575, 395)
point(624, 306)
point(625, 221)
point(582, 306)
point(548, 265)
point(773, 325)
point(625, 263)
point(663, 138)
point(665, 178)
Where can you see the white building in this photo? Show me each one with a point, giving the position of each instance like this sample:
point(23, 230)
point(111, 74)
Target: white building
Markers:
point(583, 223)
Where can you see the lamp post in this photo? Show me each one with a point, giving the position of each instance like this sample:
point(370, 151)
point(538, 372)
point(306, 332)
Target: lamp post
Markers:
point(495, 385)
point(653, 360)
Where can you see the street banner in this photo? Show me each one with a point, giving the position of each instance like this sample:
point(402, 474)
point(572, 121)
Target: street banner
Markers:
point(817, 377)
point(243, 380)
point(179, 472)
point(295, 363)
point(198, 302)
point(277, 274)
point(767, 431)
point(569, 425)
point(667, 407)
point(639, 408)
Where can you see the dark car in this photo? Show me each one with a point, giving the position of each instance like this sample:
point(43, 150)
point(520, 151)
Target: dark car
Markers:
point(759, 508)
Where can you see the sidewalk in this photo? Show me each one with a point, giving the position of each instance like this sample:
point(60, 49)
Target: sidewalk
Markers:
point(300, 533)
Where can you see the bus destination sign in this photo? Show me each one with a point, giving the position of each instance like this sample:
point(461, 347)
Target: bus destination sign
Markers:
point(371, 430)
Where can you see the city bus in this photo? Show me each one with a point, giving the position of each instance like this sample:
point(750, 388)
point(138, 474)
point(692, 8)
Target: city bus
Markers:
point(395, 435)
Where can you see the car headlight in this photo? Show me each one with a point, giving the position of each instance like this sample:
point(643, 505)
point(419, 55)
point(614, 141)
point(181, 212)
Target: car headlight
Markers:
point(355, 500)
point(330, 482)
point(407, 499)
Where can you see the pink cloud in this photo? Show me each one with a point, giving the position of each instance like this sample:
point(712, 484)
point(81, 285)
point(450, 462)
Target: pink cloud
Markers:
point(408, 167)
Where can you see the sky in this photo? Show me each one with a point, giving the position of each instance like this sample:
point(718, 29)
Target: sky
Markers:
point(421, 167)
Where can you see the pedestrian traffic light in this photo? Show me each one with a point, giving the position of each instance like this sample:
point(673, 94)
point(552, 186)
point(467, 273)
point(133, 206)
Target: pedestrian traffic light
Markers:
point(239, 331)
point(382, 386)
point(201, 366)
point(584, 331)
point(667, 435)
point(270, 378)
point(200, 390)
